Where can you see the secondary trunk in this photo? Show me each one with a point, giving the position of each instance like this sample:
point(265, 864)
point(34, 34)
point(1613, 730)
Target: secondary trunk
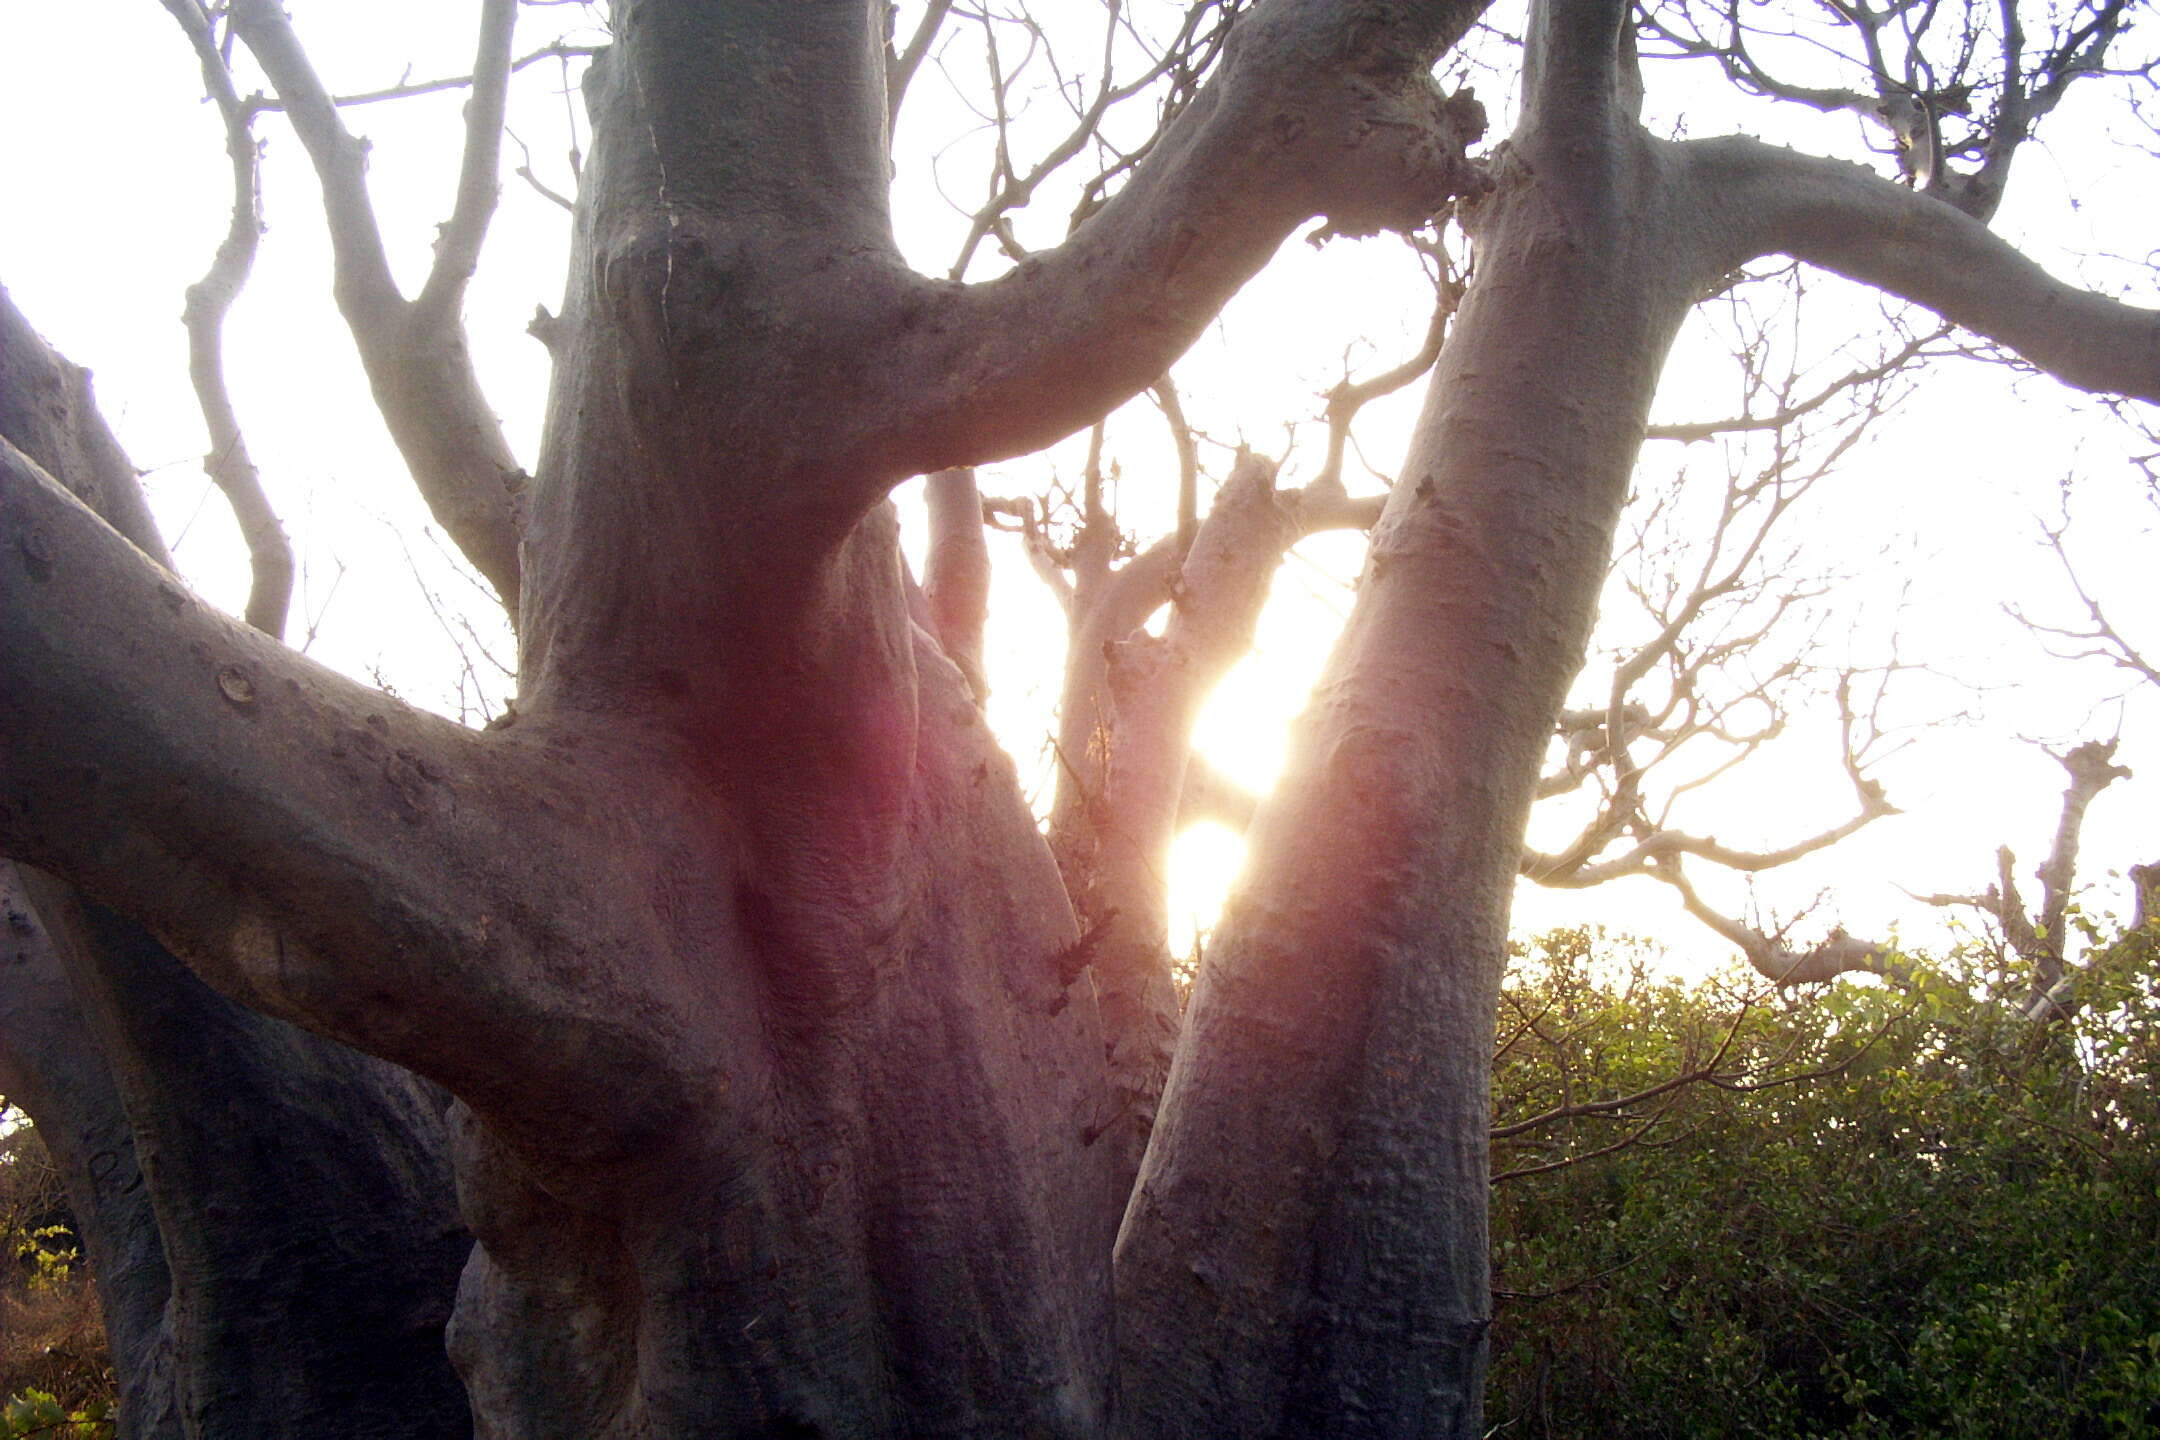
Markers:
point(267, 1213)
point(1306, 1252)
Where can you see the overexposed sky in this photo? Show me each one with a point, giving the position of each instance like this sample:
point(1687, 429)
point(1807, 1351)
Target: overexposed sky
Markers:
point(117, 195)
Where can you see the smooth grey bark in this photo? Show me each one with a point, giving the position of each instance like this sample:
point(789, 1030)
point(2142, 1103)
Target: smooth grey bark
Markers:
point(1305, 1254)
point(268, 1214)
point(52, 1068)
point(301, 1193)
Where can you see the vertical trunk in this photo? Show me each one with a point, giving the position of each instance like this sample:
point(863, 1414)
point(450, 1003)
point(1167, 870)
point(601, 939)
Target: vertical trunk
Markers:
point(300, 1190)
point(52, 1066)
point(1306, 1253)
point(848, 1188)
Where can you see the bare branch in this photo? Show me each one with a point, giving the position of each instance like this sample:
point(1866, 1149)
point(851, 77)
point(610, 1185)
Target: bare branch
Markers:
point(1188, 454)
point(415, 354)
point(1897, 360)
point(209, 300)
point(1071, 332)
point(1864, 227)
point(405, 90)
point(1837, 954)
point(2092, 769)
point(956, 573)
point(1020, 517)
point(1349, 397)
point(900, 67)
point(457, 247)
point(2099, 639)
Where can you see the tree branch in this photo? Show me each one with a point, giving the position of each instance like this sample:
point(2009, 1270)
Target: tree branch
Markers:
point(1317, 111)
point(47, 411)
point(1019, 516)
point(407, 89)
point(900, 67)
point(956, 573)
point(417, 361)
point(1845, 219)
point(2092, 769)
point(457, 247)
point(1785, 415)
point(1837, 954)
point(313, 848)
point(209, 300)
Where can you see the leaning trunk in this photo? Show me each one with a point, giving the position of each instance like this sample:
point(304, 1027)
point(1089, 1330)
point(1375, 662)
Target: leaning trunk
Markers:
point(1306, 1252)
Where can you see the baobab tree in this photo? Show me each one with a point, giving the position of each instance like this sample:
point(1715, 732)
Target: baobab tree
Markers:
point(783, 1091)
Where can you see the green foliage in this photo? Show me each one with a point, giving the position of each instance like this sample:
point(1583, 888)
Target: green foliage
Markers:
point(34, 1412)
point(54, 1364)
point(47, 1252)
point(1885, 1212)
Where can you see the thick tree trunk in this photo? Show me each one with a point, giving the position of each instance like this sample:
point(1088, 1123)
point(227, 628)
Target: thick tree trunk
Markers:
point(869, 1204)
point(52, 1067)
point(780, 1094)
point(268, 1214)
point(301, 1192)
point(1306, 1253)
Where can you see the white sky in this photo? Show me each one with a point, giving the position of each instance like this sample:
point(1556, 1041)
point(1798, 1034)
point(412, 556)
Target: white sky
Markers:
point(117, 195)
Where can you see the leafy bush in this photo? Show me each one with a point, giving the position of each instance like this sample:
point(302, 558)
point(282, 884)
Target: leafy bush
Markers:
point(1951, 1230)
point(54, 1363)
point(35, 1413)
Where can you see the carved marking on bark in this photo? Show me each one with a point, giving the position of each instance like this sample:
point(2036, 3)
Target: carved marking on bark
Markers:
point(36, 552)
point(233, 683)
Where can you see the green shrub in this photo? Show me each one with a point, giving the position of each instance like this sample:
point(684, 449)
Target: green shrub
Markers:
point(54, 1363)
point(1955, 1232)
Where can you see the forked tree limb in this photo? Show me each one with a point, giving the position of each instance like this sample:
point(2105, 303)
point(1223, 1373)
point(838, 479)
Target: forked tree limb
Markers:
point(2092, 768)
point(414, 351)
point(901, 65)
point(1837, 954)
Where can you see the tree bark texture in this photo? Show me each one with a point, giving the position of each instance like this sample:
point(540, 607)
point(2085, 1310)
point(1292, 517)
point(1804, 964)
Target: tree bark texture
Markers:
point(783, 1069)
point(1305, 1254)
point(268, 1213)
point(54, 1070)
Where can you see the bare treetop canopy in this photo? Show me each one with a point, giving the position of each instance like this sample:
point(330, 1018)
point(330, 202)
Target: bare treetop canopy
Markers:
point(723, 997)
